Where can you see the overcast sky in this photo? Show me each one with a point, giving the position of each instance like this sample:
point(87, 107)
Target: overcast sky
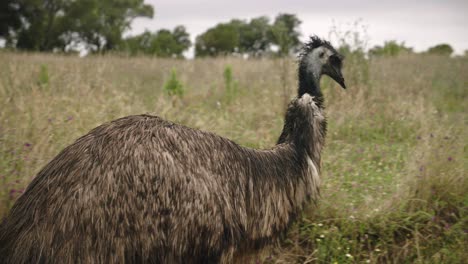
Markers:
point(420, 24)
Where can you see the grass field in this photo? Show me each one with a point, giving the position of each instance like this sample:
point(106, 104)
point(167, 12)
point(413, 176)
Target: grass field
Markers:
point(395, 188)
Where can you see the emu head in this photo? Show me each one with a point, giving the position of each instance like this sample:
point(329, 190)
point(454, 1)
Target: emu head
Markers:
point(318, 57)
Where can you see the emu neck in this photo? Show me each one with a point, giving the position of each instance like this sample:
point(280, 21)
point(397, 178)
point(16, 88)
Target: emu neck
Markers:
point(309, 82)
point(305, 128)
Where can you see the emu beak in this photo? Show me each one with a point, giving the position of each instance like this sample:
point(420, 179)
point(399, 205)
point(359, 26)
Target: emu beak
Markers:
point(341, 83)
point(336, 75)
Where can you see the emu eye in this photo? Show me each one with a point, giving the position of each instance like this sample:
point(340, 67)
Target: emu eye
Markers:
point(334, 60)
point(321, 54)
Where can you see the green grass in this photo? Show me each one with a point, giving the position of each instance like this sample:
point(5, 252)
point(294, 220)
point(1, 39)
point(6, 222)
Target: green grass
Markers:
point(394, 167)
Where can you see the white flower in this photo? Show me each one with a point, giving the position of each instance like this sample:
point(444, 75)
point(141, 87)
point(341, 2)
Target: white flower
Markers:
point(349, 255)
point(322, 235)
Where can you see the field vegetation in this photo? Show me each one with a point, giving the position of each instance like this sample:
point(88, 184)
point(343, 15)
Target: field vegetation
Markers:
point(394, 184)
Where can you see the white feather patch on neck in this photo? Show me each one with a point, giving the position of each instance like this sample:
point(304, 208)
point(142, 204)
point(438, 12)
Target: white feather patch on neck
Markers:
point(315, 177)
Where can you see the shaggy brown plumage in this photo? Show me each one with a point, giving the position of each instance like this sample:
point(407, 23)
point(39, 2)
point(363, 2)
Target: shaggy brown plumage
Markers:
point(142, 189)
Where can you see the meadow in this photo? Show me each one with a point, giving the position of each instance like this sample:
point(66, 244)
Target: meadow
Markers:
point(394, 183)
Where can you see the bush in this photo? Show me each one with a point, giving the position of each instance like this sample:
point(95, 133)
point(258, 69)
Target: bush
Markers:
point(173, 87)
point(43, 79)
point(390, 48)
point(229, 83)
point(441, 49)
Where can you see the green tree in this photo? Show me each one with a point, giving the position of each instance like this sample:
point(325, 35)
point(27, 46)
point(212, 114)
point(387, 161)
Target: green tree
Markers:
point(10, 19)
point(441, 49)
point(138, 44)
point(236, 36)
point(390, 48)
point(254, 38)
point(285, 33)
point(46, 25)
point(170, 44)
point(220, 40)
point(163, 43)
point(101, 23)
point(182, 37)
point(43, 22)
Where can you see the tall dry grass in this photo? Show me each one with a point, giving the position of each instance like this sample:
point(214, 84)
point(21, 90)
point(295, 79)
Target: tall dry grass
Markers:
point(394, 172)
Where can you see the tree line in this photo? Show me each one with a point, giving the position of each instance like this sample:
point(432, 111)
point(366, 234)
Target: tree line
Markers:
point(63, 25)
point(98, 26)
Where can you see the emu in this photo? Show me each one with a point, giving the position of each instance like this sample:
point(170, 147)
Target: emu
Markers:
point(142, 189)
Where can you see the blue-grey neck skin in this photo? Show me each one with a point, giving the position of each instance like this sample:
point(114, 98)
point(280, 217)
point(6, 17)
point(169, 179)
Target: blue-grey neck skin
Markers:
point(309, 80)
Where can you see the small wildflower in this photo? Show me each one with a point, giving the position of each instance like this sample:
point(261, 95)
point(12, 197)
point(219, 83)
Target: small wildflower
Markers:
point(70, 118)
point(318, 240)
point(320, 224)
point(322, 236)
point(27, 145)
point(348, 255)
point(367, 260)
point(377, 250)
point(12, 193)
point(450, 159)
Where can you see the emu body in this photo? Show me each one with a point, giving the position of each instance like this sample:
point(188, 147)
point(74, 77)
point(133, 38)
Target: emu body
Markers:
point(167, 193)
point(142, 189)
